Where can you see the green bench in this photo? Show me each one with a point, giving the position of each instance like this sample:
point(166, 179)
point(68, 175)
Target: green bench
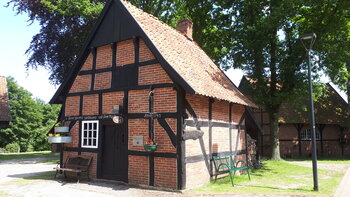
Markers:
point(225, 164)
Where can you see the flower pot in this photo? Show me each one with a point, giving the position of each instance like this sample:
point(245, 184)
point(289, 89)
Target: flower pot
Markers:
point(60, 139)
point(150, 148)
point(63, 129)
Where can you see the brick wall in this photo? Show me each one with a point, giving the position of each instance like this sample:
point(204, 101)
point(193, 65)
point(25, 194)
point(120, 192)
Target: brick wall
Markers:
point(74, 132)
point(291, 148)
point(165, 172)
point(88, 63)
point(72, 106)
point(125, 52)
point(165, 169)
point(165, 100)
point(90, 104)
point(104, 57)
point(103, 80)
point(162, 138)
point(138, 170)
point(110, 99)
point(145, 53)
point(138, 101)
point(196, 170)
point(153, 74)
point(82, 83)
point(137, 127)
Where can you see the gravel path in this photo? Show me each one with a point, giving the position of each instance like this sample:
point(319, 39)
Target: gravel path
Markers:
point(326, 166)
point(15, 181)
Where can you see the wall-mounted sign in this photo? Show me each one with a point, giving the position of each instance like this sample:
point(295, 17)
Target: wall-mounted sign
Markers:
point(137, 140)
point(100, 117)
point(152, 115)
point(117, 119)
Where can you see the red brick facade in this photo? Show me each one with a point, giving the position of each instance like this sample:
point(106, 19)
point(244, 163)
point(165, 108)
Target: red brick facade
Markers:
point(101, 99)
point(291, 147)
point(196, 170)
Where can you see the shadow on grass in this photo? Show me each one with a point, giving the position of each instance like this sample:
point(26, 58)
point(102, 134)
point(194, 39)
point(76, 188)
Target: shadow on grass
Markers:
point(10, 156)
point(47, 175)
point(279, 189)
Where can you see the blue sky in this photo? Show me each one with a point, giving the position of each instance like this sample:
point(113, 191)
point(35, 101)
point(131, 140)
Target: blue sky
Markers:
point(15, 37)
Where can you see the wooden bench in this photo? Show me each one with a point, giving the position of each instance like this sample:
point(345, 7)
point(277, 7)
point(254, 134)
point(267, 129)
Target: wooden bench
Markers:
point(225, 164)
point(78, 165)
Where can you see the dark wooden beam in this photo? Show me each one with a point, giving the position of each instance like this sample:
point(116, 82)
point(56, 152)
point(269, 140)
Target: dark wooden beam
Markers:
point(210, 114)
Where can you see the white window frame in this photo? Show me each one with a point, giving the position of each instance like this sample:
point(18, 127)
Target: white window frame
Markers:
point(88, 137)
point(306, 134)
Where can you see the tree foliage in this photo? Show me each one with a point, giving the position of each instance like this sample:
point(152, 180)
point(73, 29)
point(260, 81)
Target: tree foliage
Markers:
point(65, 25)
point(266, 46)
point(31, 120)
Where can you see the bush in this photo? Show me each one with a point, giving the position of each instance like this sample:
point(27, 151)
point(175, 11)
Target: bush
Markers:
point(12, 148)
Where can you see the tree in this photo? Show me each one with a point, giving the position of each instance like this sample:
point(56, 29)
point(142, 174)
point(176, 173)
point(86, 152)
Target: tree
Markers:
point(332, 27)
point(266, 46)
point(31, 120)
point(65, 25)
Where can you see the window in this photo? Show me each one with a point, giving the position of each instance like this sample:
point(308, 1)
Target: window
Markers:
point(89, 134)
point(306, 134)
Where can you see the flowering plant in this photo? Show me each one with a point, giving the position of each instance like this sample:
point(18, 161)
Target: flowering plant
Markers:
point(150, 142)
point(54, 134)
point(59, 124)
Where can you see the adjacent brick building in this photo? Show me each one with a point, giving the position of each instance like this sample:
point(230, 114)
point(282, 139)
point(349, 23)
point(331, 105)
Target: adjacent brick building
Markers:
point(5, 114)
point(332, 132)
point(163, 86)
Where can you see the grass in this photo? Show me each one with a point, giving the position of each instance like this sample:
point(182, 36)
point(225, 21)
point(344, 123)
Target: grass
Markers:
point(277, 177)
point(27, 155)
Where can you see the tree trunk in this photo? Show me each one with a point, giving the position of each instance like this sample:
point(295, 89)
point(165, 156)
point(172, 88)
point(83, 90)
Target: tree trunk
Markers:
point(274, 138)
point(348, 94)
point(348, 106)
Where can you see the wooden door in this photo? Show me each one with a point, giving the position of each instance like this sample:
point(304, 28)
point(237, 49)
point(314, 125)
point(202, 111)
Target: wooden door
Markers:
point(114, 160)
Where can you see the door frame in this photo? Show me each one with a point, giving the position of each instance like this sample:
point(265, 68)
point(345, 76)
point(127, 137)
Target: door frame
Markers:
point(107, 122)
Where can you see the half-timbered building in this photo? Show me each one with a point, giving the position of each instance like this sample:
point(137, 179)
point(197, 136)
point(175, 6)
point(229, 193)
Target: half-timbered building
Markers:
point(331, 121)
point(153, 81)
point(5, 114)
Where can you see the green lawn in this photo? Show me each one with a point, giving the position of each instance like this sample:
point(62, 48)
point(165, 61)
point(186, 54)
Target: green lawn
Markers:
point(41, 154)
point(277, 177)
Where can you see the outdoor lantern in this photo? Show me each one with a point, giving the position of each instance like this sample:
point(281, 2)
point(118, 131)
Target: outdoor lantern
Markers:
point(117, 119)
point(305, 39)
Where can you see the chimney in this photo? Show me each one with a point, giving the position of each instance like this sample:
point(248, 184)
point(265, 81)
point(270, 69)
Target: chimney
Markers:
point(185, 27)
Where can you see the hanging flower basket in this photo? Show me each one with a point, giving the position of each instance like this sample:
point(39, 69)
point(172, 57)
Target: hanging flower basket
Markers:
point(62, 129)
point(150, 147)
point(60, 139)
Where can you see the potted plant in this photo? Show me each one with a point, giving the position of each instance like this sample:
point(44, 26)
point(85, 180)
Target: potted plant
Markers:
point(150, 145)
point(60, 128)
point(60, 136)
